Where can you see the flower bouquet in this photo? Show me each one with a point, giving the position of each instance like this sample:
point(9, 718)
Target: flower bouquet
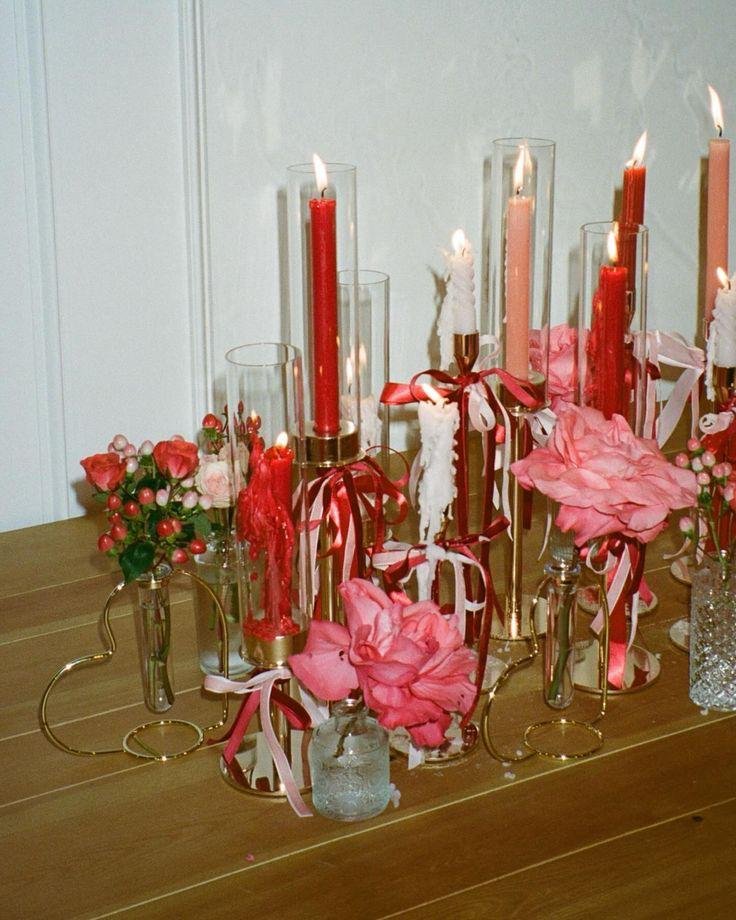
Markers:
point(615, 492)
point(410, 665)
point(156, 517)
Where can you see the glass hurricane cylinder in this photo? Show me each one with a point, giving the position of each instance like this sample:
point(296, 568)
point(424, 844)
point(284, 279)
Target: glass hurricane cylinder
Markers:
point(368, 301)
point(520, 224)
point(612, 321)
point(349, 764)
point(265, 427)
point(322, 241)
point(153, 631)
point(217, 567)
point(713, 635)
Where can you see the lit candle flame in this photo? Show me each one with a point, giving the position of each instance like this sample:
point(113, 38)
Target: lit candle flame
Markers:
point(253, 416)
point(349, 373)
point(459, 241)
point(519, 170)
point(612, 246)
point(434, 395)
point(637, 157)
point(282, 440)
point(320, 173)
point(716, 110)
point(723, 279)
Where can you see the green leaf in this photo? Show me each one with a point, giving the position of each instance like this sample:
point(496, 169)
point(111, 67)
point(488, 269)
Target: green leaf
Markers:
point(202, 524)
point(100, 497)
point(135, 560)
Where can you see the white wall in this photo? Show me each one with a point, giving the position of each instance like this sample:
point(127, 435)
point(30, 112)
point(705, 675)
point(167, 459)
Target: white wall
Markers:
point(142, 219)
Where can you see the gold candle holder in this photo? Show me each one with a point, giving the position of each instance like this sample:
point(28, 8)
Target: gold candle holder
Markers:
point(724, 385)
point(147, 741)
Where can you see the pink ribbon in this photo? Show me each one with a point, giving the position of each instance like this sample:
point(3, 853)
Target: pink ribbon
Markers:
point(260, 690)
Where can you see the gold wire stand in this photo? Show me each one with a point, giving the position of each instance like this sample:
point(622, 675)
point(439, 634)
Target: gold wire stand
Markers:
point(543, 726)
point(139, 742)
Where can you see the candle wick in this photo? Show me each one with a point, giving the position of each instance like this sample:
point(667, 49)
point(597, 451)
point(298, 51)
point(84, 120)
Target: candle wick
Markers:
point(322, 193)
point(720, 130)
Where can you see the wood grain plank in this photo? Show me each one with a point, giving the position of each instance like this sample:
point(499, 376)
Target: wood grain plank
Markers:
point(173, 827)
point(690, 872)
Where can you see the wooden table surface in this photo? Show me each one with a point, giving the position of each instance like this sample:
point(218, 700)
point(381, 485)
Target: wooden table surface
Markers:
point(644, 828)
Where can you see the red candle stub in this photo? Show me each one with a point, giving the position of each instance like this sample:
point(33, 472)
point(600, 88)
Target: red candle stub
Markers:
point(606, 374)
point(325, 374)
point(280, 459)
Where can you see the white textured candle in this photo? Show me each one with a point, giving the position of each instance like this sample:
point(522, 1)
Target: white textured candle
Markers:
point(437, 490)
point(723, 326)
point(457, 315)
point(370, 421)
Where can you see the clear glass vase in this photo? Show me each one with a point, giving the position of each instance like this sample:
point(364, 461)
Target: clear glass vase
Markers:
point(217, 568)
point(713, 635)
point(153, 630)
point(559, 649)
point(349, 764)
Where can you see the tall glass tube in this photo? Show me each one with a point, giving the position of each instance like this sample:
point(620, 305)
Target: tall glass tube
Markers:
point(322, 241)
point(371, 362)
point(612, 317)
point(522, 201)
point(266, 431)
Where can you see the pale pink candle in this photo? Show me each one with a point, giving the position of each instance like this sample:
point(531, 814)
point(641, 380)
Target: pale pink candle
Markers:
point(716, 238)
point(518, 262)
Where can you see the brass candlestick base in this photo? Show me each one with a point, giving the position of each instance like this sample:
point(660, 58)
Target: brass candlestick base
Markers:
point(253, 770)
point(163, 739)
point(266, 654)
point(642, 668)
point(466, 348)
point(724, 385)
point(459, 745)
point(332, 449)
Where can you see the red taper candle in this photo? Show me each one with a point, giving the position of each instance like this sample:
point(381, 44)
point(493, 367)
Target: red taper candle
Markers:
point(325, 377)
point(632, 207)
point(610, 323)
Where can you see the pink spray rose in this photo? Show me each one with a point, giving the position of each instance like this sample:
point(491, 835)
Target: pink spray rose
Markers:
point(176, 458)
point(105, 471)
point(409, 661)
point(605, 478)
point(213, 479)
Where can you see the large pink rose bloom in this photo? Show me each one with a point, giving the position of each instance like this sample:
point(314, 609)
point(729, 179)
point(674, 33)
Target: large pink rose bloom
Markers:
point(605, 478)
point(409, 661)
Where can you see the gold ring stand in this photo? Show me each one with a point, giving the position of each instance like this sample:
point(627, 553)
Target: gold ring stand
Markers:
point(149, 740)
point(538, 736)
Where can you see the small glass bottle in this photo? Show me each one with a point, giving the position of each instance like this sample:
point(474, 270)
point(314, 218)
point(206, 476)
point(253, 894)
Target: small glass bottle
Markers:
point(559, 656)
point(349, 764)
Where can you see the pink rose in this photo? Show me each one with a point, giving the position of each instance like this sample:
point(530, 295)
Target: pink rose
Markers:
point(605, 478)
point(176, 458)
point(213, 479)
point(105, 471)
point(409, 661)
point(562, 375)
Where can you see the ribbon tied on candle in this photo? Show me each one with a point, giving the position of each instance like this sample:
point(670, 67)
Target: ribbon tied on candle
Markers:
point(260, 691)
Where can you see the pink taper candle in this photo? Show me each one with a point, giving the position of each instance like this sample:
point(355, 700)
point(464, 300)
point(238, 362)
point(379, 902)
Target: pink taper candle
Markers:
point(716, 239)
point(518, 263)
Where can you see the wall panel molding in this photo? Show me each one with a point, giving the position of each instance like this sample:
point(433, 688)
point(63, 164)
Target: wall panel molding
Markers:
point(41, 236)
point(194, 132)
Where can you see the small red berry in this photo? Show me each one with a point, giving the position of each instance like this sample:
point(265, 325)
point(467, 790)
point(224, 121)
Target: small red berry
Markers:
point(105, 543)
point(164, 528)
point(179, 555)
point(118, 532)
point(176, 524)
point(114, 518)
point(114, 502)
point(146, 496)
point(212, 421)
point(132, 509)
point(197, 546)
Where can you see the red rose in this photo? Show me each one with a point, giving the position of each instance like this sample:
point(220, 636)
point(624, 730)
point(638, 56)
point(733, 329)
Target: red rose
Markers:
point(106, 471)
point(177, 459)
